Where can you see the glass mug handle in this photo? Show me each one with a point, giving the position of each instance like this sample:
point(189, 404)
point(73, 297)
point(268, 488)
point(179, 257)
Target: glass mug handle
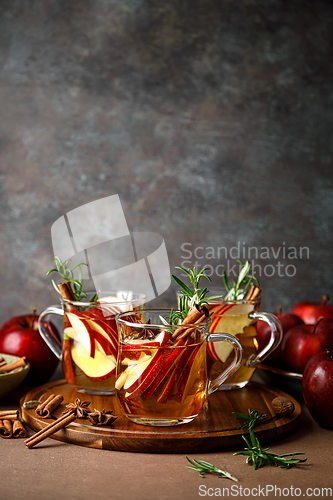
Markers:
point(52, 341)
point(276, 336)
point(213, 337)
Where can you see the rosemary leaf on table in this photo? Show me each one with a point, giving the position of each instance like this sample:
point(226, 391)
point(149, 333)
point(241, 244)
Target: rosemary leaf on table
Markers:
point(206, 468)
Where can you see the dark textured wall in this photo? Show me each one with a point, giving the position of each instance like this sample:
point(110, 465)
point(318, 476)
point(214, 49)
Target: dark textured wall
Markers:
point(212, 120)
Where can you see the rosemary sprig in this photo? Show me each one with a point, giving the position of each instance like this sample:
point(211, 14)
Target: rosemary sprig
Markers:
point(251, 419)
point(257, 455)
point(68, 275)
point(206, 468)
point(238, 289)
point(189, 298)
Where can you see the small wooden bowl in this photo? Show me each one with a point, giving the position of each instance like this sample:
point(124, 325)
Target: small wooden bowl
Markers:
point(10, 381)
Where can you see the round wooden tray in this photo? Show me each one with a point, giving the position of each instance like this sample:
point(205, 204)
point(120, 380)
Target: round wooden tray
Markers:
point(215, 429)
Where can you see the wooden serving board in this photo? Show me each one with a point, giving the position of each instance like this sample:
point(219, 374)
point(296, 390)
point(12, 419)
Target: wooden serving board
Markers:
point(215, 429)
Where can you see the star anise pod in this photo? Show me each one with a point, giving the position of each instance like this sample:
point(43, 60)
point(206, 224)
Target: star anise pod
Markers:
point(144, 334)
point(79, 409)
point(101, 417)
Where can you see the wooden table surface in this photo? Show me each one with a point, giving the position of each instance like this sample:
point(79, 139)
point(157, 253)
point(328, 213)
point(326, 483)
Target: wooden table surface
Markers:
point(56, 469)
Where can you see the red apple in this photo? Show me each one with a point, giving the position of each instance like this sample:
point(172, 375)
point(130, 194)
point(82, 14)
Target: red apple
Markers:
point(310, 312)
point(288, 321)
point(20, 336)
point(304, 341)
point(317, 388)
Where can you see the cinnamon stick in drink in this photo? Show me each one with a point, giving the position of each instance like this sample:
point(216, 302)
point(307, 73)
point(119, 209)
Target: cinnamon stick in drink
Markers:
point(67, 294)
point(196, 314)
point(46, 407)
point(254, 292)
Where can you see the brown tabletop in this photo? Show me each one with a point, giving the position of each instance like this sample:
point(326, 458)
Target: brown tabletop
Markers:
point(55, 469)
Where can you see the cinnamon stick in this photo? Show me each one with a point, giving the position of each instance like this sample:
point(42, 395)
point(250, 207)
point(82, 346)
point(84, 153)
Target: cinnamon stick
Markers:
point(9, 417)
point(6, 429)
point(46, 407)
point(74, 410)
point(254, 292)
point(9, 414)
point(50, 429)
point(195, 314)
point(18, 429)
point(3, 363)
point(67, 294)
point(18, 363)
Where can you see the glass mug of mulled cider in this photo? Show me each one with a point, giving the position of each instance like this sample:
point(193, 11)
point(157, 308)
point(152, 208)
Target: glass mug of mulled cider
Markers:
point(239, 318)
point(162, 371)
point(89, 348)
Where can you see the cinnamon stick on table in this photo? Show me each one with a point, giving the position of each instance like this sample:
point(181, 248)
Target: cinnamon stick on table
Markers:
point(6, 429)
point(74, 410)
point(18, 429)
point(9, 414)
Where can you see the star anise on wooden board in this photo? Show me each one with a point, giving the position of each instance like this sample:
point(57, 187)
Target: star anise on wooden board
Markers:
point(101, 417)
point(80, 410)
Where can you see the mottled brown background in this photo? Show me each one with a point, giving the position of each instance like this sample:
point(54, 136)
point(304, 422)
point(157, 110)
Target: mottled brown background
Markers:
point(212, 120)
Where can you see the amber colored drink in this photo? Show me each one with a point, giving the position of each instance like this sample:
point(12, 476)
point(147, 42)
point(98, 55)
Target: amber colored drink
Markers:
point(233, 319)
point(165, 384)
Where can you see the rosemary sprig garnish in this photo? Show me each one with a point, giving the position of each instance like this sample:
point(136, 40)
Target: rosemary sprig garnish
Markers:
point(238, 289)
point(251, 419)
point(256, 454)
point(189, 298)
point(206, 468)
point(254, 451)
point(68, 275)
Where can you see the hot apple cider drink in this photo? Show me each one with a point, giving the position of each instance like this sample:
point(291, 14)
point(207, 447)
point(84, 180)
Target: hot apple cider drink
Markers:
point(162, 370)
point(235, 311)
point(89, 347)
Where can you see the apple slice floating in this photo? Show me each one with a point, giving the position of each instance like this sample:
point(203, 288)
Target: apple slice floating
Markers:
point(190, 374)
point(141, 373)
point(97, 368)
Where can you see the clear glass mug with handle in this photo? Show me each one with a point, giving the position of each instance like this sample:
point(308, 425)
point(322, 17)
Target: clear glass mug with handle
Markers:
point(89, 347)
point(163, 381)
point(239, 318)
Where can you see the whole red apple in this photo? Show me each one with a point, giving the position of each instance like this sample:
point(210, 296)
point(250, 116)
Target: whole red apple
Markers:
point(310, 312)
point(287, 321)
point(317, 388)
point(304, 341)
point(20, 336)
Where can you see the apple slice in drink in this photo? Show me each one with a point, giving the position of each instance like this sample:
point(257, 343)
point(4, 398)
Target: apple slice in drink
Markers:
point(83, 333)
point(108, 344)
point(190, 374)
point(140, 374)
point(98, 368)
point(176, 372)
point(173, 356)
